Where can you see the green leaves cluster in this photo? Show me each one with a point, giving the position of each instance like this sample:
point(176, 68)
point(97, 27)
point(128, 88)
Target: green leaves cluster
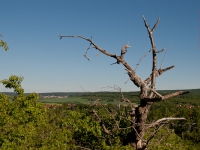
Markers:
point(3, 44)
point(27, 124)
point(21, 117)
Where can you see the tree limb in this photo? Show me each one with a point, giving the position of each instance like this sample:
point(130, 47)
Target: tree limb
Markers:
point(92, 43)
point(134, 78)
point(164, 57)
point(160, 50)
point(153, 135)
point(141, 59)
point(154, 70)
point(101, 123)
point(158, 73)
point(160, 121)
point(83, 148)
point(124, 50)
point(154, 27)
point(160, 97)
point(175, 94)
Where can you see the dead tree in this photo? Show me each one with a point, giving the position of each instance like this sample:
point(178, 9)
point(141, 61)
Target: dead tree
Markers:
point(148, 94)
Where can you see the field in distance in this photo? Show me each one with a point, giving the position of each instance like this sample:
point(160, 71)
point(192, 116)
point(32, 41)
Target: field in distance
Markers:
point(114, 97)
point(109, 97)
point(65, 100)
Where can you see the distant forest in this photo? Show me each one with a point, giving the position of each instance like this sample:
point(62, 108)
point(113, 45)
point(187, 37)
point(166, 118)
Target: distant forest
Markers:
point(193, 92)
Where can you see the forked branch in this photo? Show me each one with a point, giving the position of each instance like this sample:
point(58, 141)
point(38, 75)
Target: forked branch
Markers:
point(153, 47)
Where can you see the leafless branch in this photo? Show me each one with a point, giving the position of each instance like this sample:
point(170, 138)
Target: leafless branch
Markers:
point(160, 96)
point(92, 43)
point(139, 135)
point(101, 123)
point(160, 50)
point(162, 136)
point(133, 77)
point(141, 59)
point(98, 54)
point(160, 121)
point(153, 47)
point(122, 95)
point(154, 133)
point(124, 50)
point(146, 25)
point(114, 63)
point(175, 94)
point(154, 27)
point(164, 56)
point(83, 148)
point(169, 132)
point(94, 99)
point(85, 55)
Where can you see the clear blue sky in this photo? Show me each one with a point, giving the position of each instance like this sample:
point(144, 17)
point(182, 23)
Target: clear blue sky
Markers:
point(49, 64)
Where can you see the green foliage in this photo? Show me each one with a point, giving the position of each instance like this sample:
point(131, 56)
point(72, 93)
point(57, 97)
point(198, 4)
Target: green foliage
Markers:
point(20, 117)
point(189, 129)
point(3, 44)
point(166, 139)
point(15, 83)
point(26, 124)
point(87, 132)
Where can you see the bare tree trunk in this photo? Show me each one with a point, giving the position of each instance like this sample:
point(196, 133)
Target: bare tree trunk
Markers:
point(135, 137)
point(141, 113)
